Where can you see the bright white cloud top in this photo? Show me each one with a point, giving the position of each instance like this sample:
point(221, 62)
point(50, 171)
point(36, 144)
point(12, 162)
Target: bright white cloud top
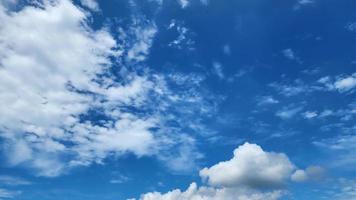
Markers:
point(252, 174)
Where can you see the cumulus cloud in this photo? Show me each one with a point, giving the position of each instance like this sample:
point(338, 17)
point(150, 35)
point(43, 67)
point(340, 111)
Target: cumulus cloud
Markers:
point(250, 167)
point(209, 193)
point(252, 174)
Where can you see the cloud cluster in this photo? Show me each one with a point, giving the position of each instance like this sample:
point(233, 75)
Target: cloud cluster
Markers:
point(64, 106)
point(252, 174)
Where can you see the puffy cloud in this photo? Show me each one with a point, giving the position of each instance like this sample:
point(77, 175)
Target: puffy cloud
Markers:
point(252, 174)
point(250, 167)
point(346, 83)
point(209, 193)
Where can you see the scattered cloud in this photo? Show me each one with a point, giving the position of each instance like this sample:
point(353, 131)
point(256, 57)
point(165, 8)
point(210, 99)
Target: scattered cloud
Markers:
point(351, 26)
point(211, 193)
point(183, 3)
point(288, 112)
point(342, 150)
point(267, 100)
point(91, 4)
point(52, 98)
point(302, 3)
point(227, 49)
point(341, 83)
point(13, 181)
point(218, 70)
point(310, 114)
point(8, 194)
point(184, 39)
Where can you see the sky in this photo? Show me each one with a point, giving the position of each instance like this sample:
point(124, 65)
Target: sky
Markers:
point(177, 100)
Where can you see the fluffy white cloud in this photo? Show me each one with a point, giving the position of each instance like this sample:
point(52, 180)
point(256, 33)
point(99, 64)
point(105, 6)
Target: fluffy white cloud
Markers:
point(252, 174)
point(311, 173)
point(55, 85)
point(346, 83)
point(250, 167)
point(209, 193)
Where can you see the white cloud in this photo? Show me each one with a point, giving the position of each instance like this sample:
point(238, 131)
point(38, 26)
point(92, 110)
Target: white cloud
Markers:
point(340, 83)
point(184, 39)
point(301, 3)
point(296, 88)
point(218, 70)
point(250, 167)
point(13, 181)
point(210, 193)
point(267, 100)
point(252, 174)
point(288, 112)
point(289, 53)
point(310, 114)
point(311, 173)
point(299, 176)
point(346, 83)
point(351, 26)
point(183, 3)
point(139, 38)
point(8, 194)
point(226, 49)
point(54, 71)
point(341, 150)
point(91, 4)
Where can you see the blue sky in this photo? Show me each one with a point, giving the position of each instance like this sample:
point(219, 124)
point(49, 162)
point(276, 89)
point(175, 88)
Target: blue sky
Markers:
point(177, 99)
